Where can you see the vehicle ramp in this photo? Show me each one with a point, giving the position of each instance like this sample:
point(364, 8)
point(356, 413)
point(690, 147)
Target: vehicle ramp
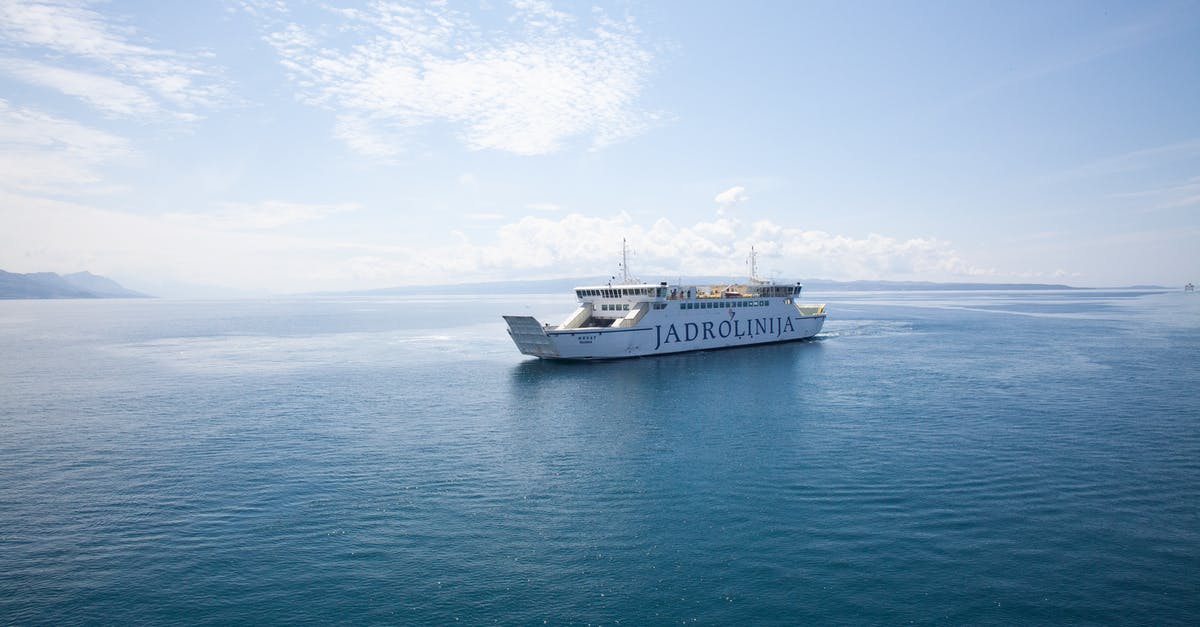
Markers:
point(529, 336)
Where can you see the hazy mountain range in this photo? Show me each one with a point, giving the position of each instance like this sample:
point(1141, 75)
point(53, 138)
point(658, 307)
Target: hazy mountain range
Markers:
point(88, 285)
point(51, 285)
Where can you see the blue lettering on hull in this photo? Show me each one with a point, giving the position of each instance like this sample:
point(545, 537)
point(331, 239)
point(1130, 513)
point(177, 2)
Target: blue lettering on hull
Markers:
point(704, 331)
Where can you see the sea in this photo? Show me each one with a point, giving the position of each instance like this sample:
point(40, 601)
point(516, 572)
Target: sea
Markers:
point(938, 457)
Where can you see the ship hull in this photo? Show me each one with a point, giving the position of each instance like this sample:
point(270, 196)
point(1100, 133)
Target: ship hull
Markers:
point(661, 333)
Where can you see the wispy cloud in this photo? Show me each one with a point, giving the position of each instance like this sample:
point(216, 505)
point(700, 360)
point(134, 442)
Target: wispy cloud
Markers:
point(1178, 196)
point(548, 78)
point(267, 215)
point(1133, 161)
point(101, 92)
point(1070, 54)
point(69, 46)
point(242, 251)
point(46, 154)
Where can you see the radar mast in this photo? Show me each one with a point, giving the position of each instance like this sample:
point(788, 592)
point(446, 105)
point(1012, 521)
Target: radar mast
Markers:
point(626, 277)
point(752, 261)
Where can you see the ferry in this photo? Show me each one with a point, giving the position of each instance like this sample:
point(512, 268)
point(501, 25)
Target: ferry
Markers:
point(637, 319)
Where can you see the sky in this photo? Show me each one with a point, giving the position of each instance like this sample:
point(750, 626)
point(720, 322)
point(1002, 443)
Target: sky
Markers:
point(262, 146)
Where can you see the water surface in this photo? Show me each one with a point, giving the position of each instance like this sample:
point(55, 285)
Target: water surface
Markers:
point(962, 457)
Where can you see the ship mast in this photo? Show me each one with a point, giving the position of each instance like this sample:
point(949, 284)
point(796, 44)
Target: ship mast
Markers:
point(626, 278)
point(752, 261)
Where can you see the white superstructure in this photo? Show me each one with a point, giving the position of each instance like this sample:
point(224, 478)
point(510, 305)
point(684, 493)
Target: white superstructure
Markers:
point(635, 319)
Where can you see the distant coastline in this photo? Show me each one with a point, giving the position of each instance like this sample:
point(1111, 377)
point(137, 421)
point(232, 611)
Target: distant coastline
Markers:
point(43, 285)
point(49, 285)
point(556, 286)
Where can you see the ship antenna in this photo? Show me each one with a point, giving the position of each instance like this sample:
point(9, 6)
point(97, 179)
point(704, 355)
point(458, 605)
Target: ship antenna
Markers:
point(752, 261)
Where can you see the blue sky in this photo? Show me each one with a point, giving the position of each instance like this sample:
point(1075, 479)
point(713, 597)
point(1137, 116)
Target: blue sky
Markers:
point(271, 146)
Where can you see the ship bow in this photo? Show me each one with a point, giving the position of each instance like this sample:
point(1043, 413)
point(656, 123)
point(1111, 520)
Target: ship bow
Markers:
point(529, 336)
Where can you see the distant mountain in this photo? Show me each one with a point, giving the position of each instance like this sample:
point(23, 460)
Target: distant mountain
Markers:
point(51, 285)
point(900, 286)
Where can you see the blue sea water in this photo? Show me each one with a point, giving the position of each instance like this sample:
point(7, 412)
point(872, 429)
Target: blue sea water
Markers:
point(931, 457)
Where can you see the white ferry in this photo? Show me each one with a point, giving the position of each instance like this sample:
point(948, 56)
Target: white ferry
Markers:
point(635, 319)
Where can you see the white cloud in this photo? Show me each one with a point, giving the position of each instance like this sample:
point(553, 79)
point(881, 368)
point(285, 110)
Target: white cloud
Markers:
point(580, 245)
point(242, 247)
point(47, 154)
point(84, 51)
point(528, 91)
point(732, 196)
